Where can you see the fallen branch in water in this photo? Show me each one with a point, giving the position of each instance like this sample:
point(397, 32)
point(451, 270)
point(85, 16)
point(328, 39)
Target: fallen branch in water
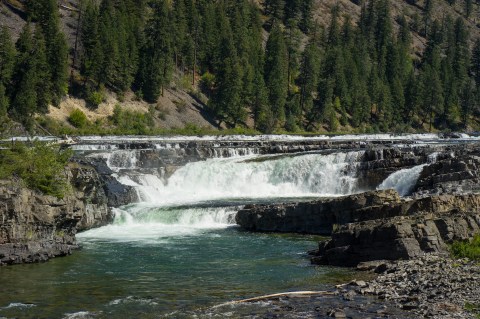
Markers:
point(283, 294)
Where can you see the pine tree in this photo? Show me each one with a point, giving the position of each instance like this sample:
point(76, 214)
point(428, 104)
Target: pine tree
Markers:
point(226, 101)
point(156, 63)
point(276, 72)
point(431, 90)
point(427, 16)
point(92, 52)
point(475, 64)
point(181, 31)
point(24, 100)
point(275, 9)
point(42, 72)
point(45, 12)
point(7, 57)
point(468, 7)
point(308, 81)
point(305, 23)
point(4, 102)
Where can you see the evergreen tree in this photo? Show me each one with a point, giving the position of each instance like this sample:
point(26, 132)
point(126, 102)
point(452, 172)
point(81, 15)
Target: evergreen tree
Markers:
point(275, 9)
point(92, 51)
point(4, 102)
point(226, 101)
point(276, 72)
point(42, 72)
point(24, 100)
point(305, 23)
point(431, 90)
point(427, 16)
point(7, 58)
point(156, 55)
point(308, 82)
point(475, 64)
point(45, 12)
point(468, 7)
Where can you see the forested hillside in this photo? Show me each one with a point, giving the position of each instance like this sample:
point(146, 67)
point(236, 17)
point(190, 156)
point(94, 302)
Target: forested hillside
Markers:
point(276, 65)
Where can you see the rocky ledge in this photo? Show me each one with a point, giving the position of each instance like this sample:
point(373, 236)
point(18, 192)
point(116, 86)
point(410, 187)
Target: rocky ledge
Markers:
point(35, 227)
point(378, 225)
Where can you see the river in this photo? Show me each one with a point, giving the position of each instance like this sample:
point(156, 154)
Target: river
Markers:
point(177, 252)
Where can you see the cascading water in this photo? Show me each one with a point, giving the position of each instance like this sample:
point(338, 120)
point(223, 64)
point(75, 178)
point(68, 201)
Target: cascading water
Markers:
point(177, 250)
point(403, 180)
point(251, 177)
point(212, 187)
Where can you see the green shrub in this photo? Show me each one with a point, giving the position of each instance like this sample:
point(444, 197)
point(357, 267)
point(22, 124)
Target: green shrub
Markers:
point(474, 308)
point(181, 106)
point(78, 119)
point(465, 249)
point(95, 98)
point(207, 82)
point(131, 122)
point(40, 166)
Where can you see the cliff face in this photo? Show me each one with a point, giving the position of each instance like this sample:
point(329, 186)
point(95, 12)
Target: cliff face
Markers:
point(36, 227)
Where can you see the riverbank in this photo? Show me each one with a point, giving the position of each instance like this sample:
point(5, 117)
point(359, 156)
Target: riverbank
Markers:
point(181, 225)
point(431, 286)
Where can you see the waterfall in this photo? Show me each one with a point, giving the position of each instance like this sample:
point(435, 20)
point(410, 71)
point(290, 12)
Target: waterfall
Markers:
point(149, 224)
point(202, 195)
point(403, 180)
point(247, 177)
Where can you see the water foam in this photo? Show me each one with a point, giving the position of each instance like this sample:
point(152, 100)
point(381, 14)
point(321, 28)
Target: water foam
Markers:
point(403, 180)
point(151, 224)
point(255, 177)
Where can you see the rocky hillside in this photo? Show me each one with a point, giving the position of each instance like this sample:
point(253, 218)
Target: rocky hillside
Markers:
point(177, 107)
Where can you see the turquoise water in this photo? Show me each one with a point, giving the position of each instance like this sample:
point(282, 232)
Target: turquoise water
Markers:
point(178, 253)
point(148, 279)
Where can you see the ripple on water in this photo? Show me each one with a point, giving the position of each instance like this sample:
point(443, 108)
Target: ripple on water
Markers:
point(19, 305)
point(80, 315)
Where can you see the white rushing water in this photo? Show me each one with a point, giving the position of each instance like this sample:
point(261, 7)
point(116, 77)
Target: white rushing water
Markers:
point(151, 224)
point(403, 180)
point(249, 177)
point(204, 185)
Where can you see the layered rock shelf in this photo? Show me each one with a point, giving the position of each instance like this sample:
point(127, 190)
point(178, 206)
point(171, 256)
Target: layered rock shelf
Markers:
point(444, 206)
point(36, 227)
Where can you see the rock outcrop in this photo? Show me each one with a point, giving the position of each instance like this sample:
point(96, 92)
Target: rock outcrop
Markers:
point(320, 216)
point(36, 227)
point(459, 175)
point(396, 238)
point(372, 226)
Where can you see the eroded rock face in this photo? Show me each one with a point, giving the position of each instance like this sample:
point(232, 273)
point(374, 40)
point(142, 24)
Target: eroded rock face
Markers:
point(36, 227)
point(319, 217)
point(426, 226)
point(451, 175)
point(376, 225)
